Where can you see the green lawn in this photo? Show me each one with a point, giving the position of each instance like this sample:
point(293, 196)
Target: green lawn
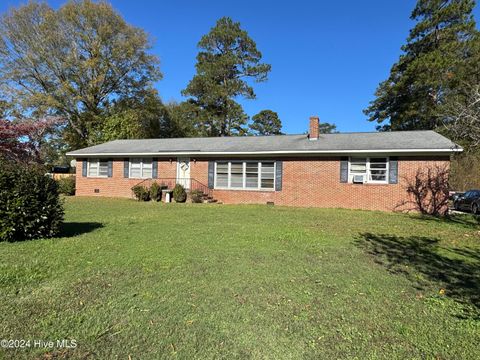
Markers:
point(152, 281)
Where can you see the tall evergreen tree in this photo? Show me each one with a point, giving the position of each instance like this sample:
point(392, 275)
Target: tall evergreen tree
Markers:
point(182, 120)
point(228, 58)
point(327, 128)
point(437, 58)
point(266, 122)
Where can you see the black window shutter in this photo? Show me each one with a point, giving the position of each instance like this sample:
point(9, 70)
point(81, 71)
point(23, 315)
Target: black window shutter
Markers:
point(125, 168)
point(211, 174)
point(344, 169)
point(278, 175)
point(110, 167)
point(84, 167)
point(393, 170)
point(155, 168)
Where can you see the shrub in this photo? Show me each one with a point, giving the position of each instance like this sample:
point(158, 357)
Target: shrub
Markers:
point(196, 196)
point(179, 193)
point(428, 191)
point(30, 205)
point(141, 193)
point(155, 192)
point(66, 185)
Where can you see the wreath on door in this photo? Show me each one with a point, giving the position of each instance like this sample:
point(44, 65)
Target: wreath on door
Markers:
point(184, 166)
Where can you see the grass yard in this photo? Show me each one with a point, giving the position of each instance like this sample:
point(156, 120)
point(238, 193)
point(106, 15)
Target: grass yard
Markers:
point(135, 280)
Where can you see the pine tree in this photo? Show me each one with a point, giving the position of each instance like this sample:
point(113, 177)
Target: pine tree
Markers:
point(228, 57)
point(327, 128)
point(266, 122)
point(438, 57)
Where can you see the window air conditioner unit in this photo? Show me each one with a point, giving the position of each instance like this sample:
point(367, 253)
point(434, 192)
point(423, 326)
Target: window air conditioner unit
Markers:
point(358, 179)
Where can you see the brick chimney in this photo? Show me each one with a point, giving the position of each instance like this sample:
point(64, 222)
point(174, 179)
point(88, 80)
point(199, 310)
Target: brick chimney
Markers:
point(314, 128)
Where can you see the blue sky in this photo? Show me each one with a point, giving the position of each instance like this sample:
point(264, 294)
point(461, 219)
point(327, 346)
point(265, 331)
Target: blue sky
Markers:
point(327, 57)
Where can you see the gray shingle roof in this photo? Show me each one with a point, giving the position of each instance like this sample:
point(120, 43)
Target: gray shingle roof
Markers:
point(392, 142)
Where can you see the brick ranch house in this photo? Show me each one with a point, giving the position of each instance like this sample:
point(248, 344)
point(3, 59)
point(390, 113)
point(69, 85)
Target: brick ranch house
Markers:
point(348, 170)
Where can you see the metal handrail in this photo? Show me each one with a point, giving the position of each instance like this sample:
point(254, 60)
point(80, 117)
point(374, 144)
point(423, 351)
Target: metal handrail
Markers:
point(171, 182)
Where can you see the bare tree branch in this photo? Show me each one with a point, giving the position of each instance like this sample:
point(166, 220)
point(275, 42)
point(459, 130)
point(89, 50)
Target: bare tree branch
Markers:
point(462, 117)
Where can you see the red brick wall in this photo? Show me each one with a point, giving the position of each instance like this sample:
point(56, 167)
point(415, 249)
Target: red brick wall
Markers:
point(117, 185)
point(306, 183)
point(314, 130)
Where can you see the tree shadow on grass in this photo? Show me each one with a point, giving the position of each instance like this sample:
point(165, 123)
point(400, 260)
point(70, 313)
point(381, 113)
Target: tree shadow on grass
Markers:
point(458, 273)
point(466, 220)
point(70, 229)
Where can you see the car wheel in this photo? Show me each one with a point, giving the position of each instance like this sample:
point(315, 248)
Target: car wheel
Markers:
point(455, 206)
point(475, 209)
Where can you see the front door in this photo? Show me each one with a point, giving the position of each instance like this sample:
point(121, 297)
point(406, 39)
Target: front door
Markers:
point(183, 172)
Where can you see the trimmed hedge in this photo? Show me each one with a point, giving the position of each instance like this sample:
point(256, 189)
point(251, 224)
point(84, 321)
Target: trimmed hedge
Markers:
point(156, 191)
point(196, 196)
point(141, 193)
point(179, 193)
point(30, 205)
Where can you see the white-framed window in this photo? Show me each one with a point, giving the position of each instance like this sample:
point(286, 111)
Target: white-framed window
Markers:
point(221, 174)
point(245, 175)
point(267, 175)
point(97, 168)
point(375, 169)
point(140, 168)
